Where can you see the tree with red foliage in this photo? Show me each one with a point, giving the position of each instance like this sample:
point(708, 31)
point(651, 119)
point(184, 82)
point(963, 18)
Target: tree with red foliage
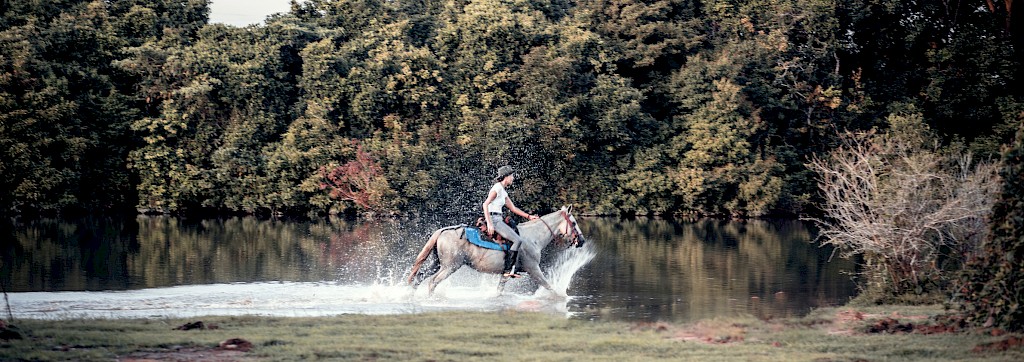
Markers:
point(360, 181)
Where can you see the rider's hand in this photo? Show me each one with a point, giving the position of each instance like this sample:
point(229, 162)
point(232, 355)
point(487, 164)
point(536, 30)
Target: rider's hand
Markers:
point(534, 217)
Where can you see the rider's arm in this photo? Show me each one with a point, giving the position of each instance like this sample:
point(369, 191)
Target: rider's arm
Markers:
point(487, 213)
point(512, 207)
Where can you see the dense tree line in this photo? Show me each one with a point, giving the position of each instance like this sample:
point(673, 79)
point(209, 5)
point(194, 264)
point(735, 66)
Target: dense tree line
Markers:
point(621, 107)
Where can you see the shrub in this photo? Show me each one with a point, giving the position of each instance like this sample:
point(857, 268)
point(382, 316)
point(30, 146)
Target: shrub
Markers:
point(904, 204)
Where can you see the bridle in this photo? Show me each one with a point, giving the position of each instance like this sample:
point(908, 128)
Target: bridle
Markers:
point(574, 237)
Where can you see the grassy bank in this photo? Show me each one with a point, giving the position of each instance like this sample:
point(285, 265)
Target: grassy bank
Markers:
point(839, 334)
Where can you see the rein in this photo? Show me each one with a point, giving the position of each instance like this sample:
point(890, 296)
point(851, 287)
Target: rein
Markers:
point(561, 236)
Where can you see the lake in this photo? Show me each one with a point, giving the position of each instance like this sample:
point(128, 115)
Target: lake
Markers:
point(641, 269)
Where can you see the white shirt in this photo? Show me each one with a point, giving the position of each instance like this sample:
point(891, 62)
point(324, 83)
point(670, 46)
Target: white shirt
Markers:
point(499, 200)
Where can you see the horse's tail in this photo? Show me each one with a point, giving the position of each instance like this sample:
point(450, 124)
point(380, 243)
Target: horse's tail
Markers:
point(427, 249)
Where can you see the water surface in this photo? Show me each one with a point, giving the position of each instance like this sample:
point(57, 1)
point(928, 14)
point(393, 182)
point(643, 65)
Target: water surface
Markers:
point(634, 270)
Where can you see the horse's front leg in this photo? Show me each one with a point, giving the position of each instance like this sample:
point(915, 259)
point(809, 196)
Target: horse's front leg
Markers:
point(533, 268)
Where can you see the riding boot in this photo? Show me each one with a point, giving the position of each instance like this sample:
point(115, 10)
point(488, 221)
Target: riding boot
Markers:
point(511, 260)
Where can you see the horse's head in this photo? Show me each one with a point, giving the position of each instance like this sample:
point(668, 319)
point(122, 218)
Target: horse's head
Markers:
point(571, 229)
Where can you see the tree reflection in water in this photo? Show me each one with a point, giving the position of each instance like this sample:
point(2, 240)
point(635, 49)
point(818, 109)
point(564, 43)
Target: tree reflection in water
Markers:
point(665, 270)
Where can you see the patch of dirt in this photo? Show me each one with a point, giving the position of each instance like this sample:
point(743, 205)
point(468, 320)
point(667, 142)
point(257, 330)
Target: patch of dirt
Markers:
point(849, 322)
point(918, 324)
point(188, 354)
point(892, 324)
point(943, 324)
point(236, 344)
point(195, 325)
point(708, 332)
point(849, 315)
point(230, 350)
point(889, 325)
point(9, 332)
point(1000, 346)
point(845, 321)
point(650, 326)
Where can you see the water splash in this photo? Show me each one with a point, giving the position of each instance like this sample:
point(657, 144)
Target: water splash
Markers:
point(565, 265)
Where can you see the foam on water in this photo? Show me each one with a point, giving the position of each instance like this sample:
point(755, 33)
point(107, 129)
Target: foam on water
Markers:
point(464, 290)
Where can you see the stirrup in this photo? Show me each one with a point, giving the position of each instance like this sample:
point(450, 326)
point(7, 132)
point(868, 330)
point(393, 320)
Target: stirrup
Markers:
point(511, 259)
point(511, 273)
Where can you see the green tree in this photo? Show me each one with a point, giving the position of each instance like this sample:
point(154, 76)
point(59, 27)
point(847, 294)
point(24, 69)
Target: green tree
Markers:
point(566, 93)
point(314, 140)
point(385, 75)
point(342, 20)
point(484, 44)
point(952, 58)
point(991, 286)
point(409, 154)
point(138, 21)
point(66, 109)
point(232, 95)
point(656, 106)
point(718, 164)
point(651, 37)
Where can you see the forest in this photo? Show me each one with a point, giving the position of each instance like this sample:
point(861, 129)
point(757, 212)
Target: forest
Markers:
point(645, 107)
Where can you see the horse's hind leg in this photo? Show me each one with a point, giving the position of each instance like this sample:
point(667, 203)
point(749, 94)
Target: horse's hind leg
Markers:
point(501, 284)
point(423, 274)
point(446, 271)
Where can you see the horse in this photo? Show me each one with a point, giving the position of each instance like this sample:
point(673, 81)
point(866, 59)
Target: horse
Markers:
point(452, 251)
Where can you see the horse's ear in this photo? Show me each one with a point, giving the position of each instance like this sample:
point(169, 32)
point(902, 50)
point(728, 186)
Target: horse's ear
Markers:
point(570, 208)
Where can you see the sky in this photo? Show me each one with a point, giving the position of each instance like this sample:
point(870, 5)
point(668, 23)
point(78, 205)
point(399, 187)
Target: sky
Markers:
point(245, 12)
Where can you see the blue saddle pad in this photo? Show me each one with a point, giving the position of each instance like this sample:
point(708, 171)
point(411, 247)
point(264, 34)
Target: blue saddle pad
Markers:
point(473, 235)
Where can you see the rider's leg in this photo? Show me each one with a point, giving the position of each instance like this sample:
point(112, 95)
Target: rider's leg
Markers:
point(506, 232)
point(509, 234)
point(510, 264)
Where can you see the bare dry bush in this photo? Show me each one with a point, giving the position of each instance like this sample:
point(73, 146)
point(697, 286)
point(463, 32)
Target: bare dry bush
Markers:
point(905, 205)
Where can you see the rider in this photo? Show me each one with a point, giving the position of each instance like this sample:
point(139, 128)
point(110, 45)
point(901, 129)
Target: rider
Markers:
point(497, 198)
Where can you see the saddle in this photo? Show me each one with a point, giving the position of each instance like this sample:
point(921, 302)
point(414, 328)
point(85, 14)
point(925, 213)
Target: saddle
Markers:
point(497, 242)
point(481, 224)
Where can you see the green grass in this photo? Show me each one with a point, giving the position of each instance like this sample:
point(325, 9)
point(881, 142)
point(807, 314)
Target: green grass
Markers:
point(522, 336)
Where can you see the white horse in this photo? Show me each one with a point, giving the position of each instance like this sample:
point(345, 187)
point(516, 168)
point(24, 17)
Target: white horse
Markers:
point(452, 250)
